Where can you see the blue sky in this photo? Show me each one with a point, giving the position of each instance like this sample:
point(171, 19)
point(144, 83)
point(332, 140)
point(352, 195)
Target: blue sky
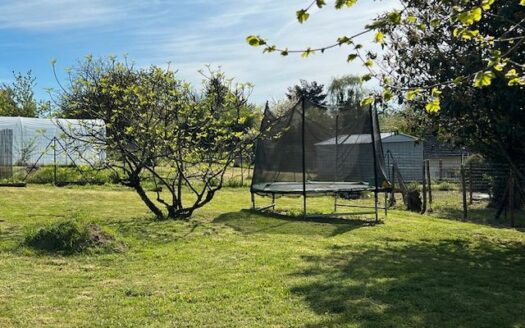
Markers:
point(188, 33)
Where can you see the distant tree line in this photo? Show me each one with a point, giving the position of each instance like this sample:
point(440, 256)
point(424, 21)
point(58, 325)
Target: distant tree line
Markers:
point(18, 97)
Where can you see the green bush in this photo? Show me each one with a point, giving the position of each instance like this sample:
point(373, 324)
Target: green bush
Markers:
point(234, 183)
point(69, 237)
point(70, 175)
point(445, 186)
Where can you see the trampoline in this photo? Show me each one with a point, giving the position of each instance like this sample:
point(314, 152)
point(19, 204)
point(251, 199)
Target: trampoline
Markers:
point(312, 188)
point(315, 150)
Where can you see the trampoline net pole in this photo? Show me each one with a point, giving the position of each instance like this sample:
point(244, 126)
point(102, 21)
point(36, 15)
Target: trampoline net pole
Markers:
point(314, 149)
point(375, 161)
point(303, 154)
point(336, 168)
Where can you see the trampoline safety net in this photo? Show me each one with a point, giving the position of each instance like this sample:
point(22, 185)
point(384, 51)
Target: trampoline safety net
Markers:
point(331, 150)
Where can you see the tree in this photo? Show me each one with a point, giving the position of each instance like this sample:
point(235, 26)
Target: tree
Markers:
point(7, 103)
point(312, 91)
point(160, 130)
point(461, 61)
point(18, 98)
point(347, 90)
point(463, 19)
point(488, 120)
point(406, 120)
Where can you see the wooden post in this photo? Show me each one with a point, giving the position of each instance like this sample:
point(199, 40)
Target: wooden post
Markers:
point(55, 161)
point(242, 171)
point(464, 192)
point(511, 198)
point(429, 187)
point(470, 184)
point(440, 170)
point(392, 201)
point(424, 207)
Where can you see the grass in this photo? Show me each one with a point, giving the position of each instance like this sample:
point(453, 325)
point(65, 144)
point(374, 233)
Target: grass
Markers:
point(230, 267)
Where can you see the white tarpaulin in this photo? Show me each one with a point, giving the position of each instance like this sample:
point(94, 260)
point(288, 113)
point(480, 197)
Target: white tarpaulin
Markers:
point(37, 140)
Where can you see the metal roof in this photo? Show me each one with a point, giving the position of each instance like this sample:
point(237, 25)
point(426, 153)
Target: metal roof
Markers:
point(386, 137)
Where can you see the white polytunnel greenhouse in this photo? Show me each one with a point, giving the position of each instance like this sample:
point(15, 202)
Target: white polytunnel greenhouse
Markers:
point(36, 141)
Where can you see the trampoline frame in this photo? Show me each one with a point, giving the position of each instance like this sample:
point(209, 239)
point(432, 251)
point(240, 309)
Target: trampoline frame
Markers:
point(337, 204)
point(375, 189)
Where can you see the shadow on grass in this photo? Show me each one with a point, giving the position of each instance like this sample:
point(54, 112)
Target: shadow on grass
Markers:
point(444, 284)
point(485, 216)
point(149, 229)
point(252, 222)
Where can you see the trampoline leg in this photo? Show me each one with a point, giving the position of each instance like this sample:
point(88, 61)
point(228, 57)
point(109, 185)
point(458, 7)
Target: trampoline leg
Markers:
point(386, 206)
point(335, 203)
point(253, 201)
point(304, 207)
point(376, 206)
point(273, 201)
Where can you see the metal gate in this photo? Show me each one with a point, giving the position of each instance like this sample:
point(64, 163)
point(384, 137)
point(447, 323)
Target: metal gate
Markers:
point(6, 154)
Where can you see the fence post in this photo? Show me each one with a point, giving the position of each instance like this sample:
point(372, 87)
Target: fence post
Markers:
point(54, 161)
point(470, 184)
point(424, 207)
point(392, 200)
point(429, 187)
point(242, 170)
point(464, 192)
point(511, 198)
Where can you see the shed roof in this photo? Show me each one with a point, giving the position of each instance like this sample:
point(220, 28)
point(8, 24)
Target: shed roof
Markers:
point(386, 137)
point(433, 148)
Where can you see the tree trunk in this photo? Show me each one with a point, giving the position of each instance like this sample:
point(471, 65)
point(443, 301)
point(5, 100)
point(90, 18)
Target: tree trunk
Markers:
point(153, 208)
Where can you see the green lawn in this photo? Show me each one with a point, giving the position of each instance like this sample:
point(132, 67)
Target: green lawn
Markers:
point(231, 267)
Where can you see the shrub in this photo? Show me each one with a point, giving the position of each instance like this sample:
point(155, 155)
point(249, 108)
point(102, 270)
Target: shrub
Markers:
point(234, 183)
point(445, 186)
point(70, 175)
point(70, 237)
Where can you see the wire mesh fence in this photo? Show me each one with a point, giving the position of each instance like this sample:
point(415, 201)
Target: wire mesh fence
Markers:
point(465, 189)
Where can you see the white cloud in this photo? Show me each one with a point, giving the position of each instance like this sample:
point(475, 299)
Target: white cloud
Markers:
point(207, 41)
point(54, 14)
point(193, 33)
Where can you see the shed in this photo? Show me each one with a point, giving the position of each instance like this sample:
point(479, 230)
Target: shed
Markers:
point(445, 159)
point(27, 141)
point(405, 149)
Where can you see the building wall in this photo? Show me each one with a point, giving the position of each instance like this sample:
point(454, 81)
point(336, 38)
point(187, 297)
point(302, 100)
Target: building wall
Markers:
point(355, 162)
point(409, 158)
point(448, 169)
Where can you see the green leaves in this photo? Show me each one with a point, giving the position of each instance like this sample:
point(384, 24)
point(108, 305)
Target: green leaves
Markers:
point(366, 77)
point(367, 101)
point(344, 3)
point(469, 17)
point(302, 15)
point(255, 40)
point(483, 79)
point(412, 94)
point(344, 40)
point(307, 53)
point(514, 78)
point(368, 63)
point(351, 57)
point(379, 37)
point(433, 106)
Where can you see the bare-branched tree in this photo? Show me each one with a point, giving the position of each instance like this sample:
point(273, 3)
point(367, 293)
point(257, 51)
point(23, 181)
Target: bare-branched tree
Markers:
point(159, 129)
